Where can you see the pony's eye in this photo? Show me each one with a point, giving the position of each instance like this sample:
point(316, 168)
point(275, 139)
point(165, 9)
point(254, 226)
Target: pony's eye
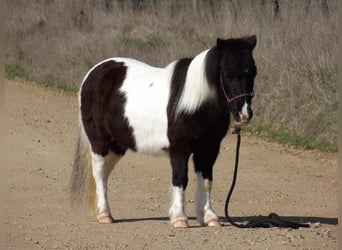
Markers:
point(246, 71)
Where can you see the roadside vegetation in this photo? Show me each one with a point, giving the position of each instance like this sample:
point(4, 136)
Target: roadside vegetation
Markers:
point(55, 42)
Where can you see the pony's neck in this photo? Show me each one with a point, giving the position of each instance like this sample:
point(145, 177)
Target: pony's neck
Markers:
point(197, 88)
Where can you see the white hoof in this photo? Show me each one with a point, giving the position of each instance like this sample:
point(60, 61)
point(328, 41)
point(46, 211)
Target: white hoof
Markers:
point(106, 220)
point(213, 223)
point(180, 224)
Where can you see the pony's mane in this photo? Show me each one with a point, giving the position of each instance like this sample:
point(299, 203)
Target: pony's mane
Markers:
point(197, 90)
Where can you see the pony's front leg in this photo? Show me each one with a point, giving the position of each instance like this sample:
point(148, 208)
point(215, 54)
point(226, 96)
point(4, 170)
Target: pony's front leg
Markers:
point(100, 174)
point(204, 213)
point(177, 214)
point(204, 159)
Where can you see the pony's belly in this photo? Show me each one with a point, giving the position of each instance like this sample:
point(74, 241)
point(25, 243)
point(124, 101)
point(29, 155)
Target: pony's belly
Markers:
point(149, 129)
point(153, 145)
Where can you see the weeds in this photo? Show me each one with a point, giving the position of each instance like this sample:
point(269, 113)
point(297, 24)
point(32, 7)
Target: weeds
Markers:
point(16, 70)
point(286, 137)
point(54, 82)
point(150, 42)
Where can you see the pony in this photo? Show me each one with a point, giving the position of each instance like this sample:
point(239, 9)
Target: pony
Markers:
point(181, 110)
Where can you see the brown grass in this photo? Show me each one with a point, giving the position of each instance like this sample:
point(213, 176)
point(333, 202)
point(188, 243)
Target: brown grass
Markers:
point(296, 85)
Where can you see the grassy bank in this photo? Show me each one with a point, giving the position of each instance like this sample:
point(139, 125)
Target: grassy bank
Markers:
point(285, 137)
point(57, 41)
point(17, 70)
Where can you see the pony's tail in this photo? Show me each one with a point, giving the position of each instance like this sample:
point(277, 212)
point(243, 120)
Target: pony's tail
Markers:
point(82, 183)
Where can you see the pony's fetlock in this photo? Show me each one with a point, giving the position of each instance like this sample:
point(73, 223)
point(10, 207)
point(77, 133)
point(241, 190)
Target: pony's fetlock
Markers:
point(104, 211)
point(209, 218)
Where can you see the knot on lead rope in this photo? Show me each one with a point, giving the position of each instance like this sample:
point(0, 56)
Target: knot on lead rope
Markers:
point(261, 221)
point(236, 130)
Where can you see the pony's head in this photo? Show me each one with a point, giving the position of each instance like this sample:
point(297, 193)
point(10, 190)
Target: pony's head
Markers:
point(237, 72)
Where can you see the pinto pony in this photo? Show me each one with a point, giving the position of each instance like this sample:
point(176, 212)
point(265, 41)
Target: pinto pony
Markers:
point(179, 110)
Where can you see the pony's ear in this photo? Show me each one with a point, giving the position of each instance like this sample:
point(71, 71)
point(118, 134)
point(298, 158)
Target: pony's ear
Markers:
point(251, 41)
point(219, 43)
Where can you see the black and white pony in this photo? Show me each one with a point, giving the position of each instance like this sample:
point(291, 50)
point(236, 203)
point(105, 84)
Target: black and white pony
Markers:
point(182, 109)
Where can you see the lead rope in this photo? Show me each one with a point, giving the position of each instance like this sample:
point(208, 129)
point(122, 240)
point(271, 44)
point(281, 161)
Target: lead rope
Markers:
point(272, 220)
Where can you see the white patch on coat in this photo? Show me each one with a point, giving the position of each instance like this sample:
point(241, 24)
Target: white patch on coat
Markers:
point(196, 90)
point(147, 91)
point(177, 208)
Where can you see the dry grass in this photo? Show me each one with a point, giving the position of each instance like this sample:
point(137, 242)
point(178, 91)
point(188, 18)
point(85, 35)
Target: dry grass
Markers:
point(296, 85)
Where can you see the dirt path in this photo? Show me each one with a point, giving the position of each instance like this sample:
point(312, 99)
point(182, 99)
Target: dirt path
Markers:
point(41, 125)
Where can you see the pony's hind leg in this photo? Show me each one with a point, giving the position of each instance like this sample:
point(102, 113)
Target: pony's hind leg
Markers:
point(102, 167)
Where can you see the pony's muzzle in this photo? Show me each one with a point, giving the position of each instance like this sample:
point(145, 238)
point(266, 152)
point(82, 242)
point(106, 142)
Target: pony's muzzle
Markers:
point(244, 119)
point(245, 115)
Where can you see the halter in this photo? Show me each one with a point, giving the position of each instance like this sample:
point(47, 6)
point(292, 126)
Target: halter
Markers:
point(229, 100)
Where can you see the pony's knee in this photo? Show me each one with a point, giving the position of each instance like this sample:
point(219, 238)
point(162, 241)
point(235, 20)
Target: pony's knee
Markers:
point(180, 181)
point(207, 184)
point(97, 160)
point(179, 164)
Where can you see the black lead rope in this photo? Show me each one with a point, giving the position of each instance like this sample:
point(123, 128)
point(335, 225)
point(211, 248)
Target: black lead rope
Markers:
point(261, 221)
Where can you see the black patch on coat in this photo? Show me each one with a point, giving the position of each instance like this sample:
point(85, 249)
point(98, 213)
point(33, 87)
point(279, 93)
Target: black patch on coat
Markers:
point(177, 83)
point(102, 109)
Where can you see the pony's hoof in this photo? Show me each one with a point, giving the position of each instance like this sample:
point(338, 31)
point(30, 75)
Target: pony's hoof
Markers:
point(214, 223)
point(106, 220)
point(180, 224)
